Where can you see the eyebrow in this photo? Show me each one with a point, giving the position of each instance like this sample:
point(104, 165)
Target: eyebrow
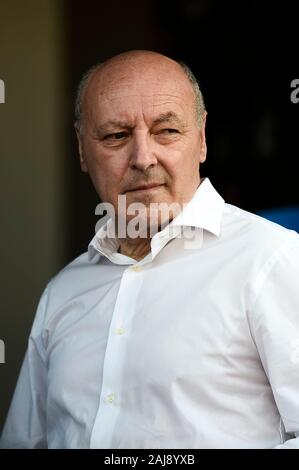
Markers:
point(107, 125)
point(161, 119)
point(168, 117)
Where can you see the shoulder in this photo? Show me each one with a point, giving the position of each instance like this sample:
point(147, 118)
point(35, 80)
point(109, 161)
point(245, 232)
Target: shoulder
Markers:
point(73, 278)
point(263, 250)
point(259, 245)
point(80, 275)
point(255, 231)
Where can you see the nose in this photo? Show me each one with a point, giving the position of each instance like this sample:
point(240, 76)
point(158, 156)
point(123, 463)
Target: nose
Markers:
point(142, 153)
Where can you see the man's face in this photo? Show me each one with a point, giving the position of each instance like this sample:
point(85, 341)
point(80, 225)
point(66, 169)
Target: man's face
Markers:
point(140, 129)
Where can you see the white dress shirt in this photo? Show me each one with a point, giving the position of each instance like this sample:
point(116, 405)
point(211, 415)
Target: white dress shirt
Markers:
point(187, 348)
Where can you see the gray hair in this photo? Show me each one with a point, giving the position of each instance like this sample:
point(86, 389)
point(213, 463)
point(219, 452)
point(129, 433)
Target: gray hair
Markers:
point(200, 107)
point(199, 101)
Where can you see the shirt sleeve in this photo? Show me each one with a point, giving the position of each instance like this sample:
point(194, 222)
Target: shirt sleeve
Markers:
point(274, 318)
point(25, 426)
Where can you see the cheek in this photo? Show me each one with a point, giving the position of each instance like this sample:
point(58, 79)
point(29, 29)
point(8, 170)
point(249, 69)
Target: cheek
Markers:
point(102, 162)
point(182, 163)
point(176, 160)
point(106, 175)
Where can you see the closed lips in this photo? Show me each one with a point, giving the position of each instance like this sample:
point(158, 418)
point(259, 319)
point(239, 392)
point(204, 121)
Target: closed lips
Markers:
point(153, 185)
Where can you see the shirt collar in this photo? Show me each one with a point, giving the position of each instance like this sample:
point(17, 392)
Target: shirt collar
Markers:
point(203, 211)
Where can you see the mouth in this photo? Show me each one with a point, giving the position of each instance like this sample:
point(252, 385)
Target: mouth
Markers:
point(148, 187)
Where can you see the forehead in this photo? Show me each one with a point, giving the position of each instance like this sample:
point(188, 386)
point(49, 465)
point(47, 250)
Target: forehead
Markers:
point(130, 96)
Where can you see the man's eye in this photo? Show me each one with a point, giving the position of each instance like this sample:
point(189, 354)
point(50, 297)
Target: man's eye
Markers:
point(116, 136)
point(170, 131)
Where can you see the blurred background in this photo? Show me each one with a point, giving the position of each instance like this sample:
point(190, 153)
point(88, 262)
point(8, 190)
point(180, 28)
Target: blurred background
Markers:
point(244, 55)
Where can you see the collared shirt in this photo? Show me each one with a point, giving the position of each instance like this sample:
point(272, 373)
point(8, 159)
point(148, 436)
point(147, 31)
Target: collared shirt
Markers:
point(194, 346)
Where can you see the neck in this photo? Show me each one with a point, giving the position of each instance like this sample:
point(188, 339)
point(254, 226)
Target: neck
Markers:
point(136, 248)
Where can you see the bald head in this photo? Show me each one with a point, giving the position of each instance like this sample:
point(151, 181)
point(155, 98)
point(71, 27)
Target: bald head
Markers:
point(135, 64)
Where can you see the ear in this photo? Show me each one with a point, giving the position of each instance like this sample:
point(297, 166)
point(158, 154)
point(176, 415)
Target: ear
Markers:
point(80, 147)
point(203, 144)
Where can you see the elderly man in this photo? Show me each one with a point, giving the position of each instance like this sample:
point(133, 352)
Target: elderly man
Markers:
point(185, 337)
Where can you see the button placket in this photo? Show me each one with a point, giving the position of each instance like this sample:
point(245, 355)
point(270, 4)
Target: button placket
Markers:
point(114, 361)
point(120, 331)
point(137, 268)
point(111, 397)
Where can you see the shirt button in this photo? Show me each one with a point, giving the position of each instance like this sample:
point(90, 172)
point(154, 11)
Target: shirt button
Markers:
point(120, 331)
point(137, 268)
point(110, 397)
